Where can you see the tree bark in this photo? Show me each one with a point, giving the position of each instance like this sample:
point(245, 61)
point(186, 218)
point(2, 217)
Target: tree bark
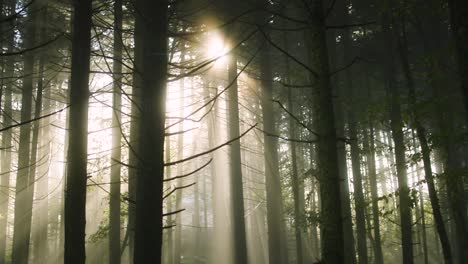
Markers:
point(237, 192)
point(425, 150)
point(360, 205)
point(6, 147)
point(114, 199)
point(374, 196)
point(76, 174)
point(152, 24)
point(459, 26)
point(24, 181)
point(327, 161)
point(396, 125)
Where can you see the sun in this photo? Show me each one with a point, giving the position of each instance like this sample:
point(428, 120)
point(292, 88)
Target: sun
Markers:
point(216, 48)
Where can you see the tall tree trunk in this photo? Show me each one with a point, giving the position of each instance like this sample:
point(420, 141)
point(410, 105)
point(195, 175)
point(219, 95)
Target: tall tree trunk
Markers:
point(348, 235)
point(6, 167)
point(276, 243)
point(297, 186)
point(454, 181)
point(459, 27)
point(24, 181)
point(180, 181)
point(360, 205)
point(35, 162)
point(75, 194)
point(396, 125)
point(425, 150)
point(237, 192)
point(134, 144)
point(169, 247)
point(327, 161)
point(297, 183)
point(152, 21)
point(374, 195)
point(41, 243)
point(114, 199)
point(6, 146)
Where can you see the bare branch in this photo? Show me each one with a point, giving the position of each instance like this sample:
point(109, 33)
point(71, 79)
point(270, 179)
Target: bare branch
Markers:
point(190, 173)
point(211, 150)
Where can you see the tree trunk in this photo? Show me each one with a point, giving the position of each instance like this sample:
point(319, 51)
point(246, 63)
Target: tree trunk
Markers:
point(327, 161)
point(6, 147)
point(24, 181)
point(360, 205)
point(298, 188)
point(459, 27)
point(274, 203)
point(297, 184)
point(75, 194)
point(134, 141)
point(152, 24)
point(38, 163)
point(237, 192)
point(396, 125)
point(180, 181)
point(425, 150)
point(374, 196)
point(114, 199)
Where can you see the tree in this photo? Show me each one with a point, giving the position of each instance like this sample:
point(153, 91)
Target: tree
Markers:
point(459, 24)
point(235, 175)
point(425, 148)
point(76, 174)
point(6, 147)
point(114, 203)
point(396, 125)
point(25, 181)
point(152, 28)
point(327, 160)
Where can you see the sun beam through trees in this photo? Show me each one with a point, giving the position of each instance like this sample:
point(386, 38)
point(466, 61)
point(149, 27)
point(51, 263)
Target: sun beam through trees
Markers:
point(233, 132)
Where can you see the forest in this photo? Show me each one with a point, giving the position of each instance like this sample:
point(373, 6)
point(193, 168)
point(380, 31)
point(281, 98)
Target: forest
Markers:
point(234, 132)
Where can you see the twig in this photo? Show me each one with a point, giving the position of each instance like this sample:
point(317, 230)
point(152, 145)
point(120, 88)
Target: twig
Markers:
point(190, 173)
point(211, 150)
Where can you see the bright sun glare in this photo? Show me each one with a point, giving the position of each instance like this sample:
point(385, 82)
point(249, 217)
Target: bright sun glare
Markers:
point(217, 48)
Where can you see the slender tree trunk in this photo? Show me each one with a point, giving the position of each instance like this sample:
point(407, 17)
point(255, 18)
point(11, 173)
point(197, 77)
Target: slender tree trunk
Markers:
point(169, 252)
point(423, 219)
point(348, 236)
point(41, 243)
point(5, 168)
point(35, 162)
point(152, 21)
point(272, 177)
point(180, 181)
point(24, 181)
point(134, 141)
point(114, 199)
point(41, 141)
point(360, 205)
point(459, 27)
point(297, 184)
point(6, 146)
point(374, 196)
point(425, 150)
point(454, 182)
point(237, 192)
point(396, 125)
point(327, 161)
point(75, 194)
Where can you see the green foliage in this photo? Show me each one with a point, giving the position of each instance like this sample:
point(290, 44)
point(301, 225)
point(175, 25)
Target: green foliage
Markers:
point(101, 233)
